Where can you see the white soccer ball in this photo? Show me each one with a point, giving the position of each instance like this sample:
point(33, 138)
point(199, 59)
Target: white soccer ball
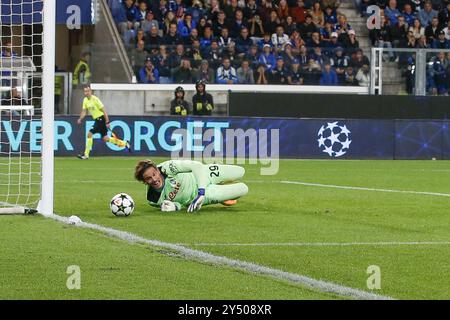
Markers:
point(122, 205)
point(74, 220)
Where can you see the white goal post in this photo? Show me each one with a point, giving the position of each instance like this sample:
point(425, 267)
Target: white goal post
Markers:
point(27, 71)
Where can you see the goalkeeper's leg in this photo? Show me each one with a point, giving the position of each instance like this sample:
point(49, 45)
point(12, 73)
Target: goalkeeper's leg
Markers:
point(219, 193)
point(222, 173)
point(115, 141)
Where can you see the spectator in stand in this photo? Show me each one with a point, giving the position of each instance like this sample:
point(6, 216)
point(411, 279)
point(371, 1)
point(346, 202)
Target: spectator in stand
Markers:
point(308, 28)
point(188, 41)
point(441, 42)
point(422, 43)
point(350, 77)
point(282, 10)
point(330, 16)
point(427, 14)
point(126, 17)
point(295, 76)
point(180, 10)
point(243, 43)
point(303, 56)
point(202, 23)
point(288, 55)
point(148, 73)
point(245, 73)
point(299, 12)
point(271, 25)
point(409, 14)
point(149, 22)
point(315, 41)
point(440, 73)
point(153, 41)
point(213, 54)
point(382, 37)
point(332, 45)
point(358, 60)
point(224, 39)
point(289, 25)
point(230, 7)
point(363, 76)
point(207, 37)
point(161, 61)
point(252, 56)
point(176, 56)
point(391, 12)
point(250, 9)
point(230, 53)
point(311, 73)
point(317, 15)
point(205, 73)
point(197, 10)
point(279, 74)
point(220, 23)
point(265, 10)
point(432, 31)
point(279, 38)
point(179, 106)
point(184, 73)
point(353, 44)
point(194, 53)
point(296, 41)
point(260, 74)
point(417, 29)
point(267, 58)
point(411, 41)
point(444, 15)
point(238, 23)
point(171, 39)
point(331, 3)
point(447, 30)
point(185, 25)
point(342, 28)
point(329, 76)
point(202, 102)
point(340, 63)
point(267, 39)
point(138, 56)
point(256, 28)
point(319, 57)
point(169, 19)
point(226, 74)
point(142, 13)
point(399, 32)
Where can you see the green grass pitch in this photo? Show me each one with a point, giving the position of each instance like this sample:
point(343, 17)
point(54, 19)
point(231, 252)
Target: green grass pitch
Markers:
point(35, 252)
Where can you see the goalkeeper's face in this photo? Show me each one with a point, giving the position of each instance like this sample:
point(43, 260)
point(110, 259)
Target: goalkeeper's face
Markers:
point(153, 177)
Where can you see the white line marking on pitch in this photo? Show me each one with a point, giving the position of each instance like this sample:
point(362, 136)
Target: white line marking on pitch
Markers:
point(321, 185)
point(192, 254)
point(320, 244)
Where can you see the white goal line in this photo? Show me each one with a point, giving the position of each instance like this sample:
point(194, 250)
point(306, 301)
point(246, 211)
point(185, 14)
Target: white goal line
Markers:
point(322, 244)
point(205, 257)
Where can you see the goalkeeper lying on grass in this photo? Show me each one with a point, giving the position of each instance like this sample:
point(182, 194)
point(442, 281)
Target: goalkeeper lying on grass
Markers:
point(177, 183)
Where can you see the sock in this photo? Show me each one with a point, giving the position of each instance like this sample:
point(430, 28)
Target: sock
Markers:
point(89, 143)
point(117, 142)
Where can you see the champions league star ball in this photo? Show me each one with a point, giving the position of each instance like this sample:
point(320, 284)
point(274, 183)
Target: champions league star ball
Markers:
point(334, 139)
point(122, 205)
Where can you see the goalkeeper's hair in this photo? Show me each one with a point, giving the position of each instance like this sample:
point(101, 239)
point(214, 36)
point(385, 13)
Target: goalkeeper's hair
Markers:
point(141, 167)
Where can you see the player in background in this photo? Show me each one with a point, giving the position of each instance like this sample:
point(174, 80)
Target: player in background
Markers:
point(93, 106)
point(174, 184)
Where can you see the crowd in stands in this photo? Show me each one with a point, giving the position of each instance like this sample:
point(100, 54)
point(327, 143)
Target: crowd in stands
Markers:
point(298, 42)
point(415, 24)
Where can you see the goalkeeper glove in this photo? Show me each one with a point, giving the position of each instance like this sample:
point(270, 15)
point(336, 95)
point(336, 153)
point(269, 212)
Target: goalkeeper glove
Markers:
point(169, 206)
point(196, 204)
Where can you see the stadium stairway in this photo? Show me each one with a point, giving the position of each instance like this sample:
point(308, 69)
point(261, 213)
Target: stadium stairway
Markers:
point(393, 82)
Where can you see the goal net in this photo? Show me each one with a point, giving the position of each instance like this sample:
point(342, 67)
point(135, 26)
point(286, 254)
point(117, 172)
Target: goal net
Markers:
point(26, 106)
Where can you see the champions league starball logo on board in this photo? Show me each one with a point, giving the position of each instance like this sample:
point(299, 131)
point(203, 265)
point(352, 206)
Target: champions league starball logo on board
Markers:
point(334, 139)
